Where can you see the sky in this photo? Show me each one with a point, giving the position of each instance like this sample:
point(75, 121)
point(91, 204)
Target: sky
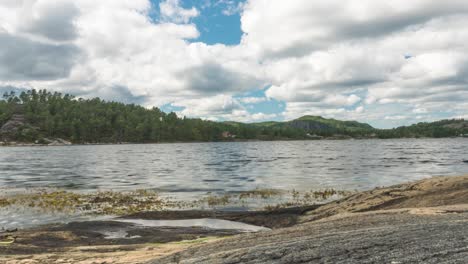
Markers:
point(387, 63)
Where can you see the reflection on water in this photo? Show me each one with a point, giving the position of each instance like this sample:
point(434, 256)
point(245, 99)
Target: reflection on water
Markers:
point(188, 170)
point(20, 217)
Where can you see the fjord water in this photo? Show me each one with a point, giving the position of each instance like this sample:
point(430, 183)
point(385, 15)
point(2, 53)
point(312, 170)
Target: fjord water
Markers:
point(191, 169)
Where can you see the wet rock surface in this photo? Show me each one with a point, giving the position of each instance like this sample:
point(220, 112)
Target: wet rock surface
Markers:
point(93, 241)
point(97, 233)
point(391, 237)
point(278, 218)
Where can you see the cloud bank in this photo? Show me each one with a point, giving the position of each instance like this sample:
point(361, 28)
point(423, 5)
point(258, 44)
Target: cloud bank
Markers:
point(388, 63)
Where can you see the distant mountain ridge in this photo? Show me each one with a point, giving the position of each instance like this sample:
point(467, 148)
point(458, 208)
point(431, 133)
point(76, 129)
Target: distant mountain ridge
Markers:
point(36, 116)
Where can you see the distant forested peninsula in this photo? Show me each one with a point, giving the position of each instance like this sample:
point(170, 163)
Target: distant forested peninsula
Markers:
point(39, 116)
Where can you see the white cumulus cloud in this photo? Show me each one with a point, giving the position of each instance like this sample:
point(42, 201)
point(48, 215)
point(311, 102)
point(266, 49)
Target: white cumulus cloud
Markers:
point(370, 60)
point(172, 11)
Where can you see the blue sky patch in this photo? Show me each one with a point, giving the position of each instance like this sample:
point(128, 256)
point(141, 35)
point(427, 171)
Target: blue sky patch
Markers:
point(171, 108)
point(218, 22)
point(264, 105)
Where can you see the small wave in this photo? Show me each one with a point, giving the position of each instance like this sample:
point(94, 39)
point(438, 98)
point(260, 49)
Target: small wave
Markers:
point(241, 161)
point(240, 178)
point(265, 160)
point(214, 164)
point(427, 161)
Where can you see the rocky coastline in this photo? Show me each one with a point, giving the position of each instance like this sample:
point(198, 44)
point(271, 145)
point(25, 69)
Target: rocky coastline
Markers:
point(423, 221)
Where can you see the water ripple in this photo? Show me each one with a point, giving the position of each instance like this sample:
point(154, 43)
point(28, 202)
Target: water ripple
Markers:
point(186, 169)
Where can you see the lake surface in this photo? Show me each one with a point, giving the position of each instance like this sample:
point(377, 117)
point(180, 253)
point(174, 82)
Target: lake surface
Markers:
point(189, 170)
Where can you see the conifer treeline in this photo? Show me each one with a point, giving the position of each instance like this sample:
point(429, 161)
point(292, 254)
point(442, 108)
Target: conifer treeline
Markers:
point(56, 115)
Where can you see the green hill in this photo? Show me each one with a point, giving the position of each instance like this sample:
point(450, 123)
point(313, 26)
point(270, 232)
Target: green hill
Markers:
point(328, 127)
point(438, 129)
point(307, 126)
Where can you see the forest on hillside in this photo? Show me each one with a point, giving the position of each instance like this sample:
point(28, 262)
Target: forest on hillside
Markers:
point(37, 114)
point(56, 115)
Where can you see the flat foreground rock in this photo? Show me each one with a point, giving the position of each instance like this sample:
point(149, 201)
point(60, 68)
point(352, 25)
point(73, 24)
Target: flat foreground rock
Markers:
point(413, 236)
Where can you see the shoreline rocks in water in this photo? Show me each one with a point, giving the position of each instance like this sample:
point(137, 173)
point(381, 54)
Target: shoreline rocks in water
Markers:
point(17, 123)
point(55, 142)
point(423, 222)
point(42, 142)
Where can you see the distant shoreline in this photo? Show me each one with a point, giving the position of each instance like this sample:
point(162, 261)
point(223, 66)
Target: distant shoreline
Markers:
point(58, 118)
point(17, 144)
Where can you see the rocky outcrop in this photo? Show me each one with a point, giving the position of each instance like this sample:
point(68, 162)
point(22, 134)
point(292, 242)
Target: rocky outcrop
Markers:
point(431, 192)
point(18, 125)
point(12, 126)
point(56, 142)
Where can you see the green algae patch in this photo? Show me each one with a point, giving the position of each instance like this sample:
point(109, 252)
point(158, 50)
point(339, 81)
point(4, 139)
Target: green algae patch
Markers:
point(304, 198)
point(260, 193)
point(214, 200)
point(320, 195)
point(126, 203)
point(109, 203)
point(4, 202)
point(268, 198)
